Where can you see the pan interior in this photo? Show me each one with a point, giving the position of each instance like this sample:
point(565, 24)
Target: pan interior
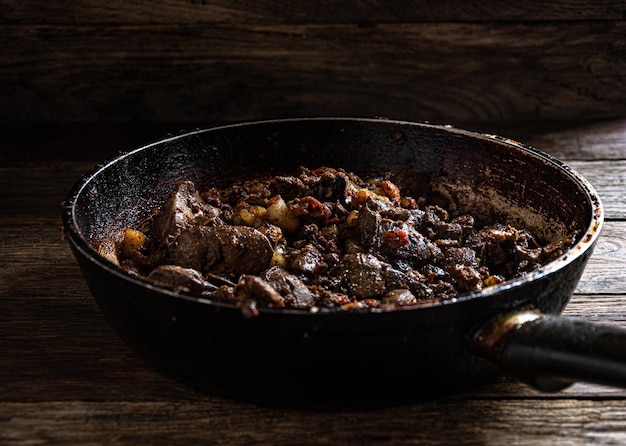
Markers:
point(491, 178)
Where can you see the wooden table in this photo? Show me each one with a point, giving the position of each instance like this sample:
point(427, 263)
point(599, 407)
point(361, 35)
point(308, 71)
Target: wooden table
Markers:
point(66, 378)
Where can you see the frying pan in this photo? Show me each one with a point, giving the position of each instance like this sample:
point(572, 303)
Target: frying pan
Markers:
point(354, 358)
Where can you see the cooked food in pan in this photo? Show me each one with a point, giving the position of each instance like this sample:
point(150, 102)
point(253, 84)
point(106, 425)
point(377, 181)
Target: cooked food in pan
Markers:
point(344, 274)
point(324, 240)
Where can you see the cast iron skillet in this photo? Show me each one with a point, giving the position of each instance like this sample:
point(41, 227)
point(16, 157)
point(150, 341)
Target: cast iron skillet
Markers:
point(298, 358)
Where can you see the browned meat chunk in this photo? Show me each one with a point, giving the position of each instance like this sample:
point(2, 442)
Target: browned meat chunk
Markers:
point(399, 298)
point(184, 208)
point(287, 187)
point(466, 278)
point(180, 277)
point(308, 260)
point(363, 275)
point(411, 280)
point(328, 184)
point(255, 289)
point(224, 250)
point(290, 287)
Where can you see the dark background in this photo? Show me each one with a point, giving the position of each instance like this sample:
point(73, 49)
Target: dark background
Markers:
point(209, 62)
point(82, 79)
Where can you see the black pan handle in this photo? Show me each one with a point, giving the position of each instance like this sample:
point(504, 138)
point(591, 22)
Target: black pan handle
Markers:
point(552, 352)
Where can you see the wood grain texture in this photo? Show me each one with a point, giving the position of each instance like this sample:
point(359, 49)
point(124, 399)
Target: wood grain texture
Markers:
point(442, 71)
point(610, 184)
point(66, 378)
point(605, 269)
point(466, 421)
point(548, 74)
point(324, 11)
point(568, 140)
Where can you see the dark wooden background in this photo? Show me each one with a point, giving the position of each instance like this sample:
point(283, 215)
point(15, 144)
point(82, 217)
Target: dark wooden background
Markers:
point(206, 61)
point(81, 80)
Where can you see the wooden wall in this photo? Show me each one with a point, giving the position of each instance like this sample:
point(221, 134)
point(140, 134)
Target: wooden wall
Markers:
point(213, 61)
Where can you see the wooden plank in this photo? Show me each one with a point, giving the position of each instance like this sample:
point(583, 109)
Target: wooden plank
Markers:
point(36, 193)
point(448, 421)
point(324, 11)
point(605, 270)
point(442, 72)
point(568, 140)
point(606, 141)
point(74, 352)
point(599, 308)
point(609, 180)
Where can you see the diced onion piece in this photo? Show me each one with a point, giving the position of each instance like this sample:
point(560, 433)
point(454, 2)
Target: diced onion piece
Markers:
point(252, 216)
point(247, 217)
point(131, 243)
point(492, 280)
point(279, 214)
point(278, 260)
point(273, 233)
point(362, 195)
point(352, 219)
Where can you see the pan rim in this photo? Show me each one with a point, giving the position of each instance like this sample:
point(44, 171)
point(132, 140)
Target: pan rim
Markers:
point(586, 241)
